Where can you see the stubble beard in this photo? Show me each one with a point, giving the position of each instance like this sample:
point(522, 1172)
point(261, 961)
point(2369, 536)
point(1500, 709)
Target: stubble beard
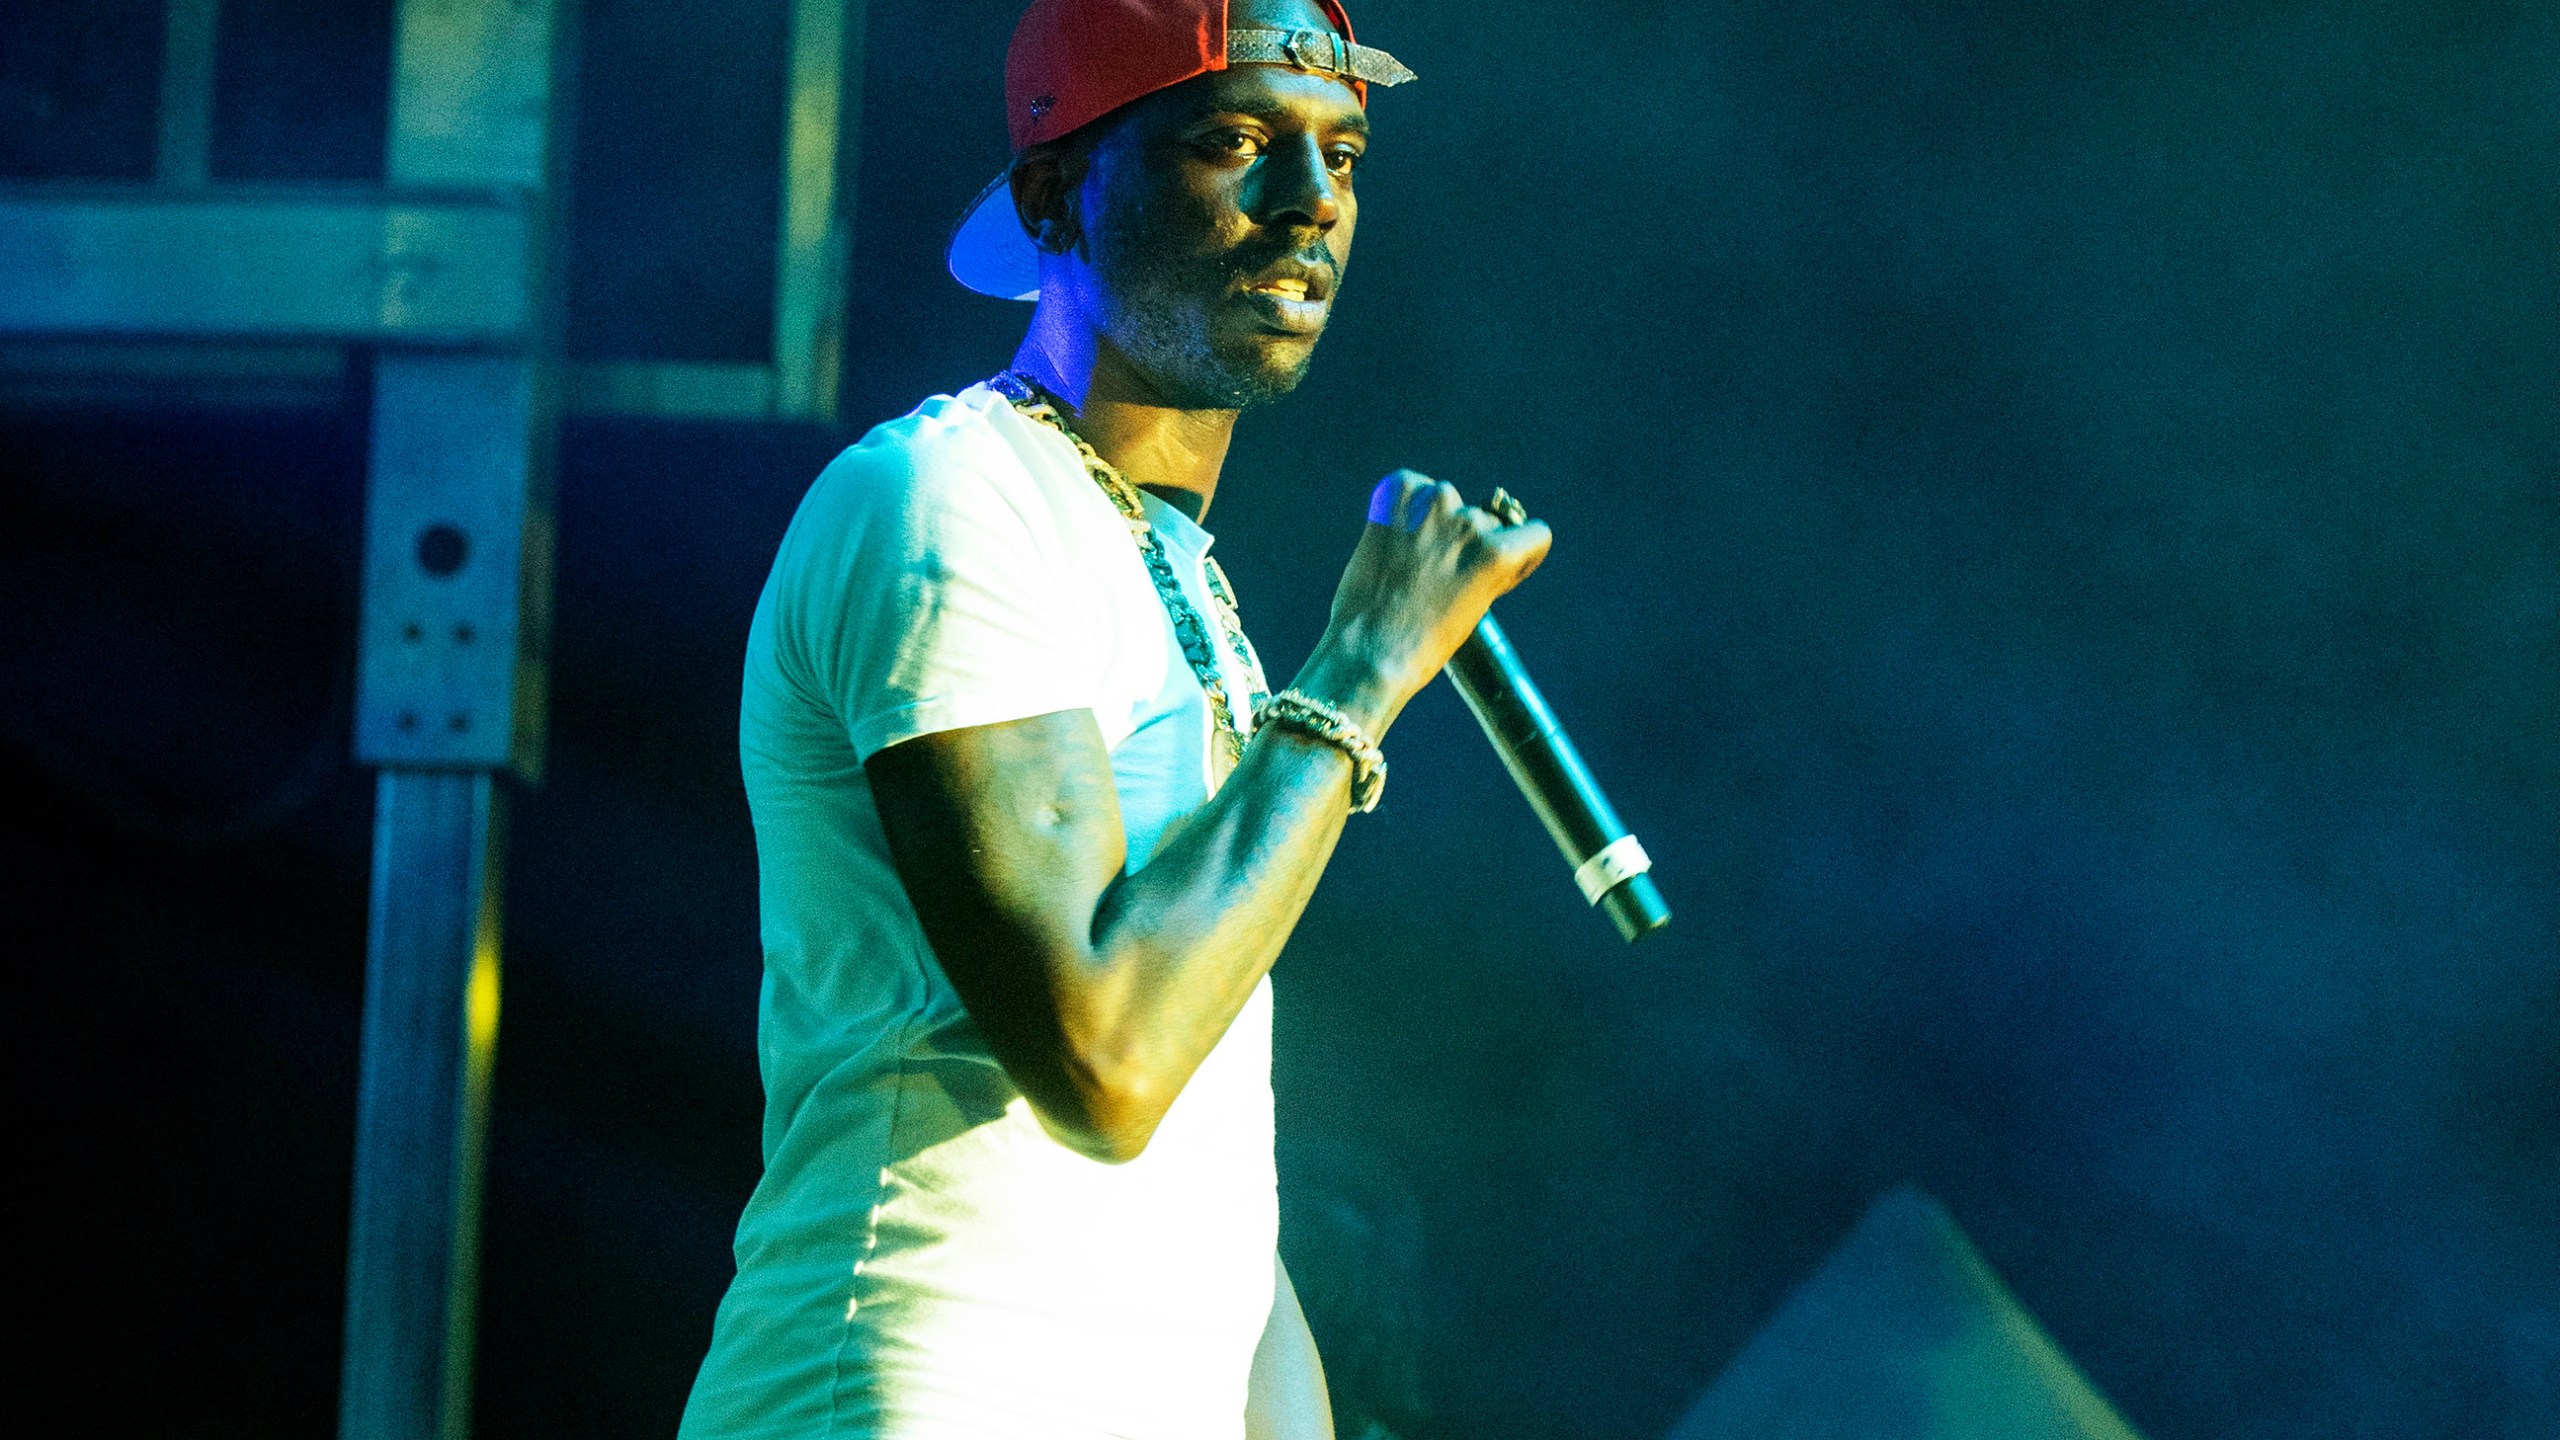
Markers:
point(1170, 340)
point(1160, 305)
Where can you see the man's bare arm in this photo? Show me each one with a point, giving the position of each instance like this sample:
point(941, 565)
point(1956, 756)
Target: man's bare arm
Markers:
point(1101, 992)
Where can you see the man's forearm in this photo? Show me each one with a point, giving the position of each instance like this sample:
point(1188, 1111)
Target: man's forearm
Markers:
point(1101, 992)
point(1185, 939)
point(1179, 945)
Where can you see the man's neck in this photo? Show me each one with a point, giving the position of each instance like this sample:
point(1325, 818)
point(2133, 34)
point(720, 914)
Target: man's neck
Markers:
point(1174, 453)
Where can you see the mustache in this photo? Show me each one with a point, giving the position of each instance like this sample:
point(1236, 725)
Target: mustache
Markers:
point(1249, 260)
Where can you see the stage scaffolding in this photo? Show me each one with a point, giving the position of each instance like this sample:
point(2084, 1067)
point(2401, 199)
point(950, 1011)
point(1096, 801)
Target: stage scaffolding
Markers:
point(446, 279)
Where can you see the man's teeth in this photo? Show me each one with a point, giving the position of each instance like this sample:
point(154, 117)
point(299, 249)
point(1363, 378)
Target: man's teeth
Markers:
point(1286, 289)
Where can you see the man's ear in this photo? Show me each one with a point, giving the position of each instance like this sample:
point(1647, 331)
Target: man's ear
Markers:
point(1044, 199)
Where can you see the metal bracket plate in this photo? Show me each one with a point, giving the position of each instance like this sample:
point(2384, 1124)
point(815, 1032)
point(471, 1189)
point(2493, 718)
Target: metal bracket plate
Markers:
point(457, 541)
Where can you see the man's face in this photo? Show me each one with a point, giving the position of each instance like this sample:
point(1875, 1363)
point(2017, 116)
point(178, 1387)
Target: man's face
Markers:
point(1216, 219)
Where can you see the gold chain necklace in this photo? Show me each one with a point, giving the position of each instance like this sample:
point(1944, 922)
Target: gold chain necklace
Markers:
point(1036, 403)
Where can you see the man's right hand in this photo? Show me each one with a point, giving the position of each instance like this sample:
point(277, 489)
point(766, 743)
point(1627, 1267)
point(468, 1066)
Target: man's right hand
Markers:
point(1425, 571)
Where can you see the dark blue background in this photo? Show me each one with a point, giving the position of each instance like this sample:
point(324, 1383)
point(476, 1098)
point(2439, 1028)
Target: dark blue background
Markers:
point(2058, 516)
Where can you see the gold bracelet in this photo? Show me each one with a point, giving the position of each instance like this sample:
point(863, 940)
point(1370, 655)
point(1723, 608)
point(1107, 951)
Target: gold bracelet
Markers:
point(1306, 714)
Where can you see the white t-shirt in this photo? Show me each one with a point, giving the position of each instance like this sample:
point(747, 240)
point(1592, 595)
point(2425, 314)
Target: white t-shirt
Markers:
point(921, 1261)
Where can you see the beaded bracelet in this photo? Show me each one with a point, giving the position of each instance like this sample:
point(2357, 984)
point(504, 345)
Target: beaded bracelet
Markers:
point(1303, 712)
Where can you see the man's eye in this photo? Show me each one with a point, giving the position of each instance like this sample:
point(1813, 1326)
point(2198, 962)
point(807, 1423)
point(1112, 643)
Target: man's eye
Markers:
point(1342, 162)
point(1236, 144)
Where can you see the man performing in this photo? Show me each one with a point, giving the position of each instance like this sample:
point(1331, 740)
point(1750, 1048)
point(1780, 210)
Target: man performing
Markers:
point(1030, 829)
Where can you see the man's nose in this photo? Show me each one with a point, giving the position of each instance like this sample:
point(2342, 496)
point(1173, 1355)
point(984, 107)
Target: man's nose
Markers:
point(1294, 186)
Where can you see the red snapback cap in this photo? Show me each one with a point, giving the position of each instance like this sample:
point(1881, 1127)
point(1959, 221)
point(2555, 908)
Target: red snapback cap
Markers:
point(1074, 61)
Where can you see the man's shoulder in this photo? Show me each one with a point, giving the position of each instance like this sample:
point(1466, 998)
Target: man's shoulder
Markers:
point(960, 480)
point(948, 443)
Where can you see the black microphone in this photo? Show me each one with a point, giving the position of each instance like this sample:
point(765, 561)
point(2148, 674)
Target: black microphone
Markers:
point(1608, 864)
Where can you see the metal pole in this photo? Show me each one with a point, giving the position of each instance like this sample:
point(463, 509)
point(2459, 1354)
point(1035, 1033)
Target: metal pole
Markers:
point(186, 92)
point(449, 694)
point(818, 175)
point(430, 1043)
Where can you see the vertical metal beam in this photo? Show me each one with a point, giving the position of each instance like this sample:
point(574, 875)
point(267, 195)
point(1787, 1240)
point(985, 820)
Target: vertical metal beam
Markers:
point(472, 85)
point(430, 1043)
point(819, 170)
point(186, 92)
point(457, 584)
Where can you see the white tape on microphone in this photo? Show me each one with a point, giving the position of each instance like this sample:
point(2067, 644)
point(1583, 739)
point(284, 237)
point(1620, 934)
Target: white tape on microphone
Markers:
point(1610, 866)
